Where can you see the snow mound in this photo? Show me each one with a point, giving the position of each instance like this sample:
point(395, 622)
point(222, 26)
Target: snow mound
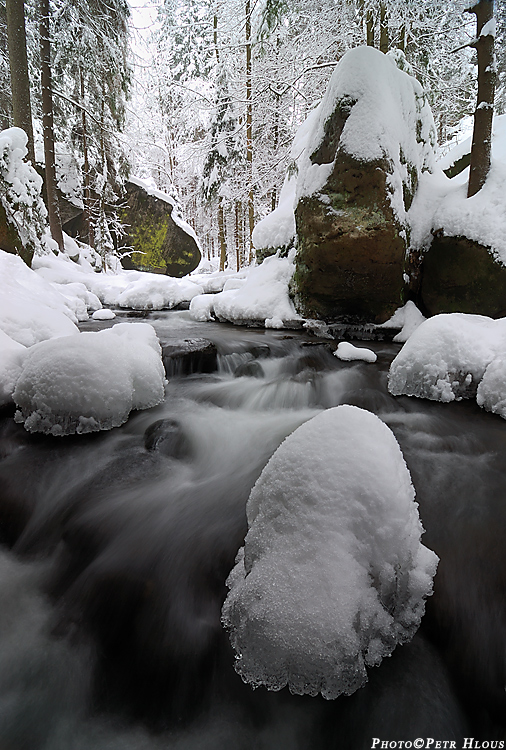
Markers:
point(31, 309)
point(263, 298)
point(408, 318)
point(103, 314)
point(333, 574)
point(201, 308)
point(154, 292)
point(446, 357)
point(90, 381)
point(347, 352)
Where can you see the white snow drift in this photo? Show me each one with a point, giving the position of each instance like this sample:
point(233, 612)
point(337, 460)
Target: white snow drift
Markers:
point(90, 381)
point(333, 574)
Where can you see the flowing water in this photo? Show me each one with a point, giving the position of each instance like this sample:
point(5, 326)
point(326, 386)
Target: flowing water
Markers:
point(115, 547)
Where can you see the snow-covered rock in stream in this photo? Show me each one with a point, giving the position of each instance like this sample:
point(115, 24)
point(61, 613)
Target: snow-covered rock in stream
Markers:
point(333, 574)
point(446, 357)
point(91, 381)
point(262, 299)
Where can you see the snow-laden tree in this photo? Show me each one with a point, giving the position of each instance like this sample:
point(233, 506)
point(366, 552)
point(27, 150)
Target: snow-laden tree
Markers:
point(92, 86)
point(224, 157)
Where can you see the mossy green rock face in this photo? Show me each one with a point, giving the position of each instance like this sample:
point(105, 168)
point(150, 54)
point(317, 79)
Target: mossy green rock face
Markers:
point(460, 275)
point(351, 253)
point(159, 244)
point(10, 240)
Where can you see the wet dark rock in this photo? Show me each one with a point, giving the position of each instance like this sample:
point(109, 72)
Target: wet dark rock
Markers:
point(167, 437)
point(190, 356)
point(249, 370)
point(460, 275)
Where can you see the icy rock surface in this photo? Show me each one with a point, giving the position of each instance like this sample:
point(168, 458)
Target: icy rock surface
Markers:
point(446, 357)
point(91, 381)
point(333, 574)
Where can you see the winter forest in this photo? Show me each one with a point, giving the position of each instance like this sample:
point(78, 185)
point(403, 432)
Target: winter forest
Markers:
point(252, 375)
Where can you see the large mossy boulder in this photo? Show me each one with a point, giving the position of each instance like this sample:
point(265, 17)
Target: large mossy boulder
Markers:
point(461, 275)
point(161, 241)
point(371, 138)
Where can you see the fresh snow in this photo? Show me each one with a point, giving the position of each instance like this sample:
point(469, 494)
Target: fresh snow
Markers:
point(31, 309)
point(332, 575)
point(150, 187)
point(442, 204)
point(408, 318)
point(262, 299)
point(347, 352)
point(389, 117)
point(449, 356)
point(90, 381)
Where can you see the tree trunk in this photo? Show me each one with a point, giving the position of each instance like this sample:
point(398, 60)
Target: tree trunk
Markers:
point(484, 113)
point(369, 28)
point(238, 234)
point(384, 38)
point(88, 227)
point(249, 130)
point(47, 126)
point(20, 81)
point(221, 235)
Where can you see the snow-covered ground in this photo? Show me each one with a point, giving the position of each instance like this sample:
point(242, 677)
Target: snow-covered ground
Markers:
point(333, 574)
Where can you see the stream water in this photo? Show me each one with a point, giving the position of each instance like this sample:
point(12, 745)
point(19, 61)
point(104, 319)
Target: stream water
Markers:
point(115, 547)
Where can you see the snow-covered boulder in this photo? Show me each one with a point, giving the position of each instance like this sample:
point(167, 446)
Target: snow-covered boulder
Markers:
point(446, 357)
point(371, 140)
point(463, 239)
point(333, 574)
point(90, 381)
point(262, 299)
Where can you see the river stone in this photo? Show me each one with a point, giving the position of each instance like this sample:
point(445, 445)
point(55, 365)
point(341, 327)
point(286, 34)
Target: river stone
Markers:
point(460, 275)
point(190, 356)
point(159, 244)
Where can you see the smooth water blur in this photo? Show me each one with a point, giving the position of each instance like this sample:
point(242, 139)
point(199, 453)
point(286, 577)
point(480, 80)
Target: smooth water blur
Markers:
point(116, 547)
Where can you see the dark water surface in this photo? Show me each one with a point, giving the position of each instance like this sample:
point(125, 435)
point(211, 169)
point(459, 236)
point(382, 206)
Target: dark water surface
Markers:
point(115, 547)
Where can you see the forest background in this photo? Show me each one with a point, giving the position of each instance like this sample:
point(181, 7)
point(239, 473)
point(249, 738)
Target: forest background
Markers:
point(205, 97)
